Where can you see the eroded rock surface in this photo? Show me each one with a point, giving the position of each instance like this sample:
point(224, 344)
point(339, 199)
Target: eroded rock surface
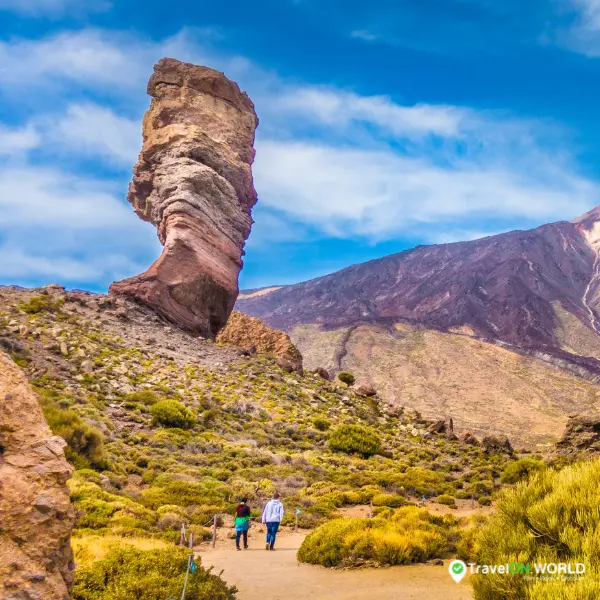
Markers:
point(581, 437)
point(193, 182)
point(253, 335)
point(36, 517)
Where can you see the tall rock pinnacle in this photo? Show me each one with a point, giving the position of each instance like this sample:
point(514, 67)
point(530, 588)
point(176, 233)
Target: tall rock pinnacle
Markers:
point(193, 182)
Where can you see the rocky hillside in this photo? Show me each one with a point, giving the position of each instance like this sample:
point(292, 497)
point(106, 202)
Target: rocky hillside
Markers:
point(36, 517)
point(165, 428)
point(193, 182)
point(532, 292)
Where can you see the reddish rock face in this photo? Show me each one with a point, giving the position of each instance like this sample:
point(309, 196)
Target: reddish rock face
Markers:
point(193, 182)
point(36, 516)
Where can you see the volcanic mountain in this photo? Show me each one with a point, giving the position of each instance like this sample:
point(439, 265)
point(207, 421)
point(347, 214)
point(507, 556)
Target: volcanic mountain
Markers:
point(490, 332)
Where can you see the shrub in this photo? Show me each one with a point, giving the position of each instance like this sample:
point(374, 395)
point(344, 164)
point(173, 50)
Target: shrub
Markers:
point(391, 500)
point(411, 535)
point(171, 413)
point(321, 424)
point(126, 572)
point(521, 469)
point(355, 439)
point(142, 397)
point(42, 303)
point(85, 444)
point(447, 500)
point(551, 518)
point(347, 378)
point(485, 501)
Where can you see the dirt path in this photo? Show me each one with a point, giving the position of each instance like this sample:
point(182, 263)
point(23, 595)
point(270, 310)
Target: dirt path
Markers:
point(262, 575)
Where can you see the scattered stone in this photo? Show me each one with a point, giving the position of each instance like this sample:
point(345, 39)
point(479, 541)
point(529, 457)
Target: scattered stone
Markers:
point(437, 427)
point(366, 390)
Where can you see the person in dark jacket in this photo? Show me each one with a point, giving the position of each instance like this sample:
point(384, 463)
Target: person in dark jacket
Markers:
point(242, 523)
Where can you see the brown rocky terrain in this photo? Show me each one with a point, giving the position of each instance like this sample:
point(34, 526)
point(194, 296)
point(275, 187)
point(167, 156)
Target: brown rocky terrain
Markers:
point(581, 437)
point(193, 182)
point(36, 517)
point(475, 311)
point(252, 335)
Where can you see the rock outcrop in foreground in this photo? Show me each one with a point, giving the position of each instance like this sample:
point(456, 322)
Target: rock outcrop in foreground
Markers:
point(581, 437)
point(36, 517)
point(193, 182)
point(253, 335)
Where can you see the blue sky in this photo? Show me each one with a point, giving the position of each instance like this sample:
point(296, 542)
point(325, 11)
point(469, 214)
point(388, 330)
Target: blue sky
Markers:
point(384, 124)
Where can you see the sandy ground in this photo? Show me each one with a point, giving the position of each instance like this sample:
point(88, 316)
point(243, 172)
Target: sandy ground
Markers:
point(262, 575)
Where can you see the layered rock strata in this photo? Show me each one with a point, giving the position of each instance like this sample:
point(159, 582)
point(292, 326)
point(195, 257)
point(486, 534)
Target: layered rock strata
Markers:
point(36, 517)
point(193, 182)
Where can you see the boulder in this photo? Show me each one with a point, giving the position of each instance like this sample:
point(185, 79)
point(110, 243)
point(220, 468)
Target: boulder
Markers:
point(36, 516)
point(496, 445)
point(252, 335)
point(322, 373)
point(193, 182)
point(581, 437)
point(438, 427)
point(366, 390)
point(470, 439)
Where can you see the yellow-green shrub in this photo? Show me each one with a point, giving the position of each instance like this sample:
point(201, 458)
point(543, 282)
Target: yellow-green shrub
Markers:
point(127, 573)
point(85, 444)
point(554, 517)
point(520, 469)
point(410, 535)
point(171, 413)
point(355, 439)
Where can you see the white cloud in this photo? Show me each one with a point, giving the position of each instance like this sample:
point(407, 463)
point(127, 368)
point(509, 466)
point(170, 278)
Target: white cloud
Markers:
point(53, 8)
point(381, 194)
point(334, 107)
point(14, 141)
point(56, 225)
point(584, 33)
point(97, 131)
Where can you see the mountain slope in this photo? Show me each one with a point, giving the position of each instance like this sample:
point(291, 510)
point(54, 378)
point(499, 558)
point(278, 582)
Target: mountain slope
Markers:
point(534, 292)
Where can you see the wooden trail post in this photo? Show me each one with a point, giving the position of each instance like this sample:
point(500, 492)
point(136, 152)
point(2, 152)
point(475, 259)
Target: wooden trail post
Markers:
point(371, 509)
point(296, 526)
point(214, 532)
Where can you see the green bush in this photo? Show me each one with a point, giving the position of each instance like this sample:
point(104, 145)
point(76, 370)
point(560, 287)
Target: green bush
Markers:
point(321, 424)
point(485, 501)
point(171, 413)
point(520, 469)
point(347, 378)
point(447, 500)
point(355, 439)
point(551, 518)
point(391, 500)
point(127, 573)
point(142, 397)
point(85, 444)
point(410, 535)
point(42, 303)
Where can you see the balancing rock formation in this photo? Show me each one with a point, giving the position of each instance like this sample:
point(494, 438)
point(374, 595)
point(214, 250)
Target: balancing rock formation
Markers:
point(193, 182)
point(36, 517)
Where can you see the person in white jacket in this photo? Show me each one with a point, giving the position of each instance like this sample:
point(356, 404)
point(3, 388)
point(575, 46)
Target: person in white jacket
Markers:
point(272, 516)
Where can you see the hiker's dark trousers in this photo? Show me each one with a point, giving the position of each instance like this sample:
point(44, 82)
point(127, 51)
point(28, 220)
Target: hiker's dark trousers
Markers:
point(272, 532)
point(238, 535)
